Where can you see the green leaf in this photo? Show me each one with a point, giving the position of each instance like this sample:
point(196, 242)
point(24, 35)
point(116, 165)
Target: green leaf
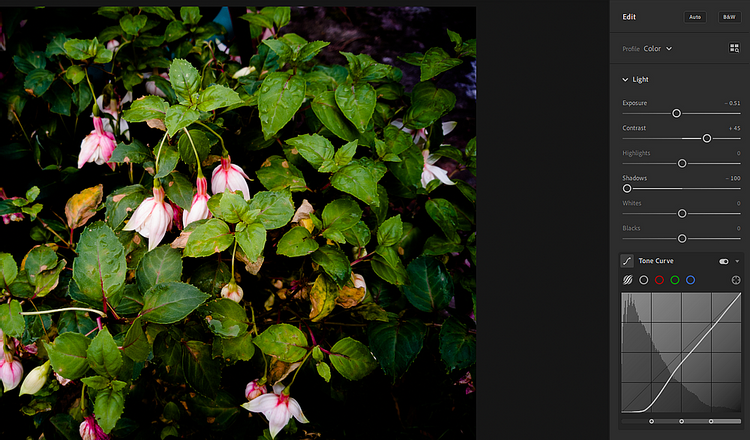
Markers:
point(327, 111)
point(324, 371)
point(309, 50)
point(170, 302)
point(457, 346)
point(439, 246)
point(358, 235)
point(428, 104)
point(47, 280)
point(168, 159)
point(149, 40)
point(223, 411)
point(175, 31)
point(217, 96)
point(209, 238)
point(232, 207)
point(211, 276)
point(39, 259)
point(99, 270)
point(185, 79)
point(314, 148)
point(178, 117)
point(103, 355)
point(162, 11)
point(323, 297)
point(38, 81)
point(358, 181)
point(281, 95)
point(436, 61)
point(96, 382)
point(390, 231)
point(284, 341)
point(409, 170)
point(108, 408)
point(281, 16)
point(145, 108)
point(431, 286)
point(277, 173)
point(12, 322)
point(283, 50)
point(296, 242)
point(334, 262)
point(59, 98)
point(225, 317)
point(131, 79)
point(8, 270)
point(160, 265)
point(68, 355)
point(252, 240)
point(202, 146)
point(123, 201)
point(352, 359)
point(240, 348)
point(395, 343)
point(132, 24)
point(136, 345)
point(56, 46)
point(79, 49)
point(357, 103)
point(276, 208)
point(341, 214)
point(444, 214)
point(75, 74)
point(190, 14)
point(179, 189)
point(135, 152)
point(393, 274)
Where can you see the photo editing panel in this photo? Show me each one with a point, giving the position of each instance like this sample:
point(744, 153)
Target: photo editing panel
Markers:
point(679, 73)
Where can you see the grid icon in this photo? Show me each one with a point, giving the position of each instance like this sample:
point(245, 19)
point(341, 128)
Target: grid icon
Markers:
point(734, 47)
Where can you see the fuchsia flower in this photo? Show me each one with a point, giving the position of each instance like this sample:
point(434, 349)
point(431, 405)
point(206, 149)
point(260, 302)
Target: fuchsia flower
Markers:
point(199, 209)
point(12, 217)
point(253, 390)
point(152, 218)
point(151, 85)
point(97, 146)
point(11, 371)
point(114, 110)
point(229, 175)
point(232, 291)
point(278, 408)
point(90, 430)
point(420, 135)
point(431, 172)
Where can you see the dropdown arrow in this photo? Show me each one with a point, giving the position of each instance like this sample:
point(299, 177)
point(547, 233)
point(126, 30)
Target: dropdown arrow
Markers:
point(669, 47)
point(625, 79)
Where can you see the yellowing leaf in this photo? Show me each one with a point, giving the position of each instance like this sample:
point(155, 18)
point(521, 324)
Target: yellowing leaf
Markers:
point(323, 297)
point(82, 206)
point(350, 296)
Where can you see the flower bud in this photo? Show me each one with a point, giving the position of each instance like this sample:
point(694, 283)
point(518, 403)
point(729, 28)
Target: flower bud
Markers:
point(244, 71)
point(359, 281)
point(11, 373)
point(253, 390)
point(232, 291)
point(35, 380)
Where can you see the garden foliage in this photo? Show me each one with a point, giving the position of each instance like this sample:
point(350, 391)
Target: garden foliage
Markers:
point(331, 242)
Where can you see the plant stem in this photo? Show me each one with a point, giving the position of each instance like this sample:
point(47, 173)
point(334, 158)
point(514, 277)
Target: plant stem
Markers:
point(95, 108)
point(224, 151)
point(286, 390)
point(22, 129)
point(65, 309)
point(158, 153)
point(197, 158)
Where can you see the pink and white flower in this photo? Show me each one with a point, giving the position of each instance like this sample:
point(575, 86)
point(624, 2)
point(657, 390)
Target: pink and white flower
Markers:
point(431, 172)
point(278, 408)
point(11, 371)
point(152, 218)
point(420, 135)
point(253, 390)
point(90, 429)
point(97, 146)
point(114, 110)
point(151, 85)
point(229, 176)
point(232, 291)
point(199, 208)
